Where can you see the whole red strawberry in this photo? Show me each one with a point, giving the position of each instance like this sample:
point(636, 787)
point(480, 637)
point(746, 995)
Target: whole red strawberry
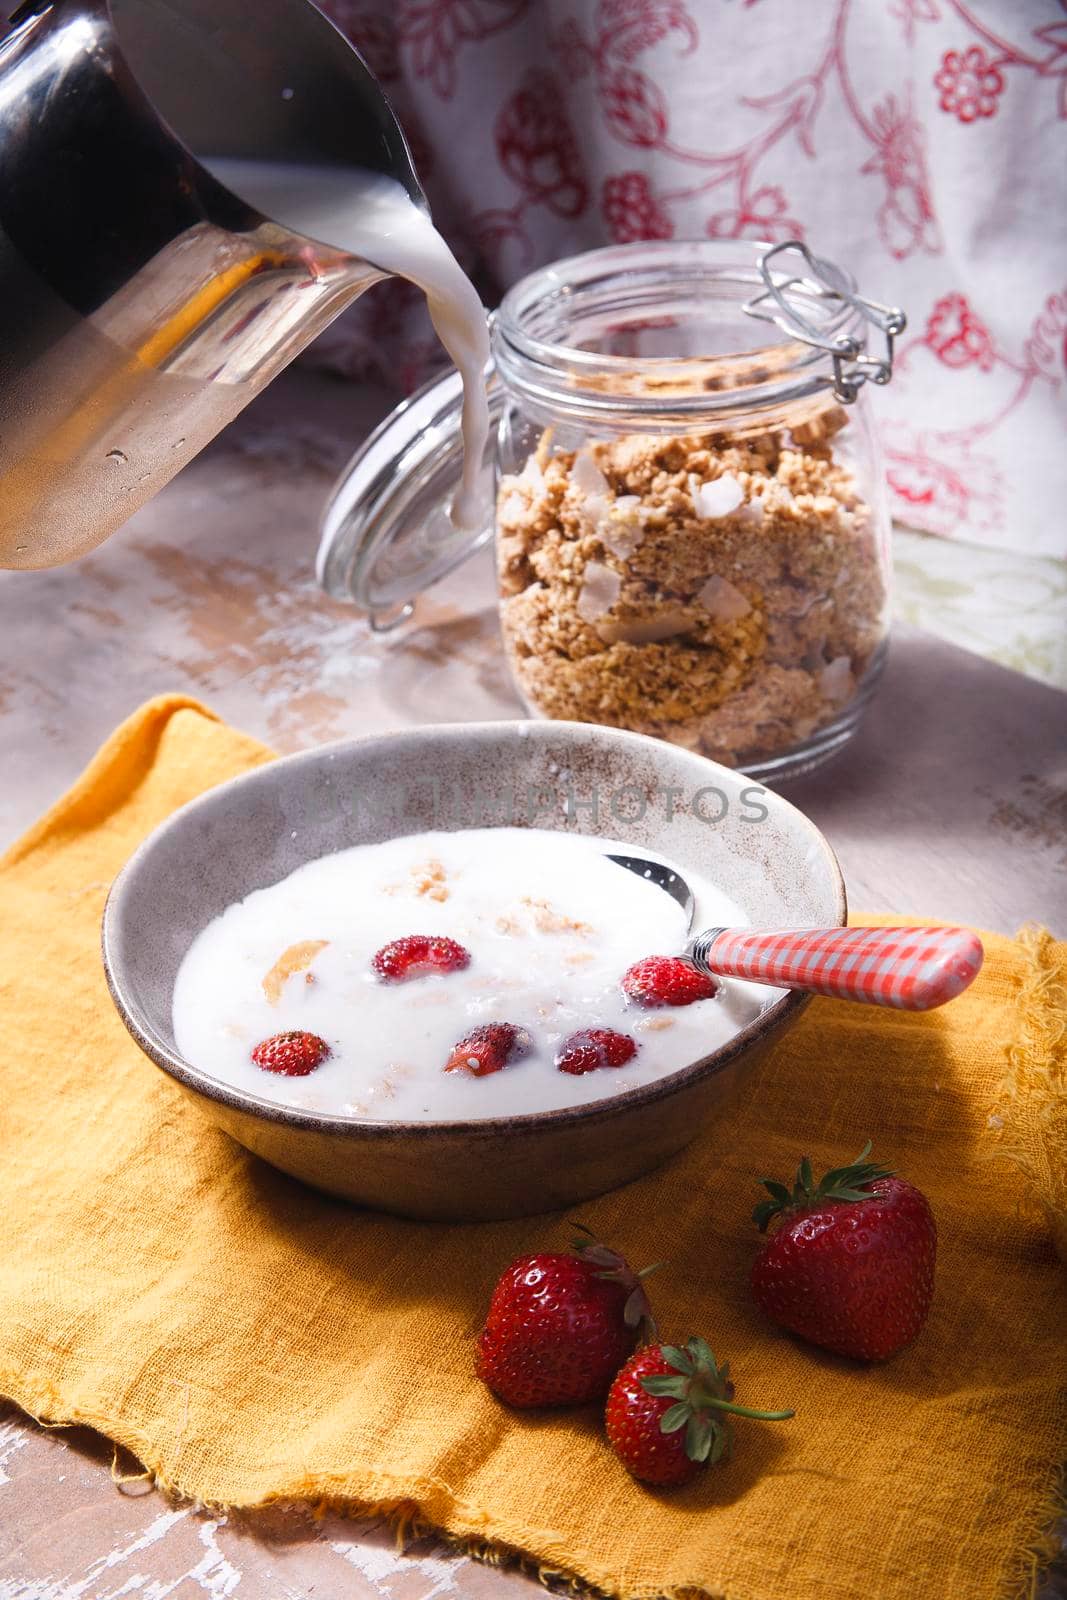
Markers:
point(851, 1263)
point(488, 1048)
point(293, 1055)
point(418, 955)
point(667, 981)
point(667, 1415)
point(559, 1326)
point(592, 1048)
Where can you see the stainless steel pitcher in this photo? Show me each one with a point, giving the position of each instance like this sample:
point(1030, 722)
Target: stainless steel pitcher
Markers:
point(142, 304)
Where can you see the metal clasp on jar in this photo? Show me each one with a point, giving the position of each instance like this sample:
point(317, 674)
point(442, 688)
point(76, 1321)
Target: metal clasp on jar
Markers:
point(852, 365)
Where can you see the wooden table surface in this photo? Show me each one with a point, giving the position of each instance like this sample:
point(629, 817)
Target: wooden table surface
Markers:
point(952, 802)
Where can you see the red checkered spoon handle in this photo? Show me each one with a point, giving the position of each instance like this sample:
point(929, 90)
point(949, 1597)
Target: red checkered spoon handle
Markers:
point(911, 968)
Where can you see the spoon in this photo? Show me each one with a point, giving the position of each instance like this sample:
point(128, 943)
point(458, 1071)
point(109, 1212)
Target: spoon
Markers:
point(913, 969)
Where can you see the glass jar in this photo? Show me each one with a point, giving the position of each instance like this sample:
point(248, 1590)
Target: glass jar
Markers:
point(692, 536)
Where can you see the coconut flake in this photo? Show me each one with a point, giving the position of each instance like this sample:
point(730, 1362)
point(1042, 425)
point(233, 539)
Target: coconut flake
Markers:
point(752, 510)
point(596, 512)
point(645, 630)
point(717, 498)
point(587, 477)
point(513, 506)
point(600, 590)
point(622, 529)
point(532, 475)
point(620, 538)
point(835, 680)
point(722, 600)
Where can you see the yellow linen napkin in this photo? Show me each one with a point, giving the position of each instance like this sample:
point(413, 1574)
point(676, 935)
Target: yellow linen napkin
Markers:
point(250, 1340)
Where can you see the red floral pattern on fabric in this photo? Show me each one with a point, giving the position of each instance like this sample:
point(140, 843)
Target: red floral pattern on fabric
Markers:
point(556, 126)
point(636, 25)
point(956, 336)
point(537, 147)
point(911, 13)
point(1053, 37)
point(970, 84)
point(1046, 348)
point(632, 211)
point(764, 215)
point(434, 32)
point(636, 111)
point(943, 485)
point(906, 220)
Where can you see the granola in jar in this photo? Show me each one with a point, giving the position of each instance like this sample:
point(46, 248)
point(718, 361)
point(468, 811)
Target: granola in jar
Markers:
point(723, 593)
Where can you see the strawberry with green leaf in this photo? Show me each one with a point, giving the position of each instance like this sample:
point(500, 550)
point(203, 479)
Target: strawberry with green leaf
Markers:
point(668, 1412)
point(850, 1265)
point(560, 1325)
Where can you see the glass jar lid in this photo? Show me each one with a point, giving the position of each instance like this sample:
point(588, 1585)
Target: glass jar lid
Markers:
point(387, 533)
point(564, 344)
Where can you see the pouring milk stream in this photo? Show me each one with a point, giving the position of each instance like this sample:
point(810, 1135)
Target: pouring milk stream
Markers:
point(373, 217)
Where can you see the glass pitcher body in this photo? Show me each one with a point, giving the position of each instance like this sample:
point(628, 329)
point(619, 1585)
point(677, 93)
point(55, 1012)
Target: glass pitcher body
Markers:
point(144, 303)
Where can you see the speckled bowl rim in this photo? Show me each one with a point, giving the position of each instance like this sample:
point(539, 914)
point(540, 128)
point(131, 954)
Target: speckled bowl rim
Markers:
point(607, 1107)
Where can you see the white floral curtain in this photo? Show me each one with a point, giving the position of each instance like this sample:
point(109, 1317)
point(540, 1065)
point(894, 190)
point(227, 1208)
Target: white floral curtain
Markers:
point(922, 143)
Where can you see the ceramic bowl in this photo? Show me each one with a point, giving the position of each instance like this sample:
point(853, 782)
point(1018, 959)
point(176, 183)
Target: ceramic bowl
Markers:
point(252, 831)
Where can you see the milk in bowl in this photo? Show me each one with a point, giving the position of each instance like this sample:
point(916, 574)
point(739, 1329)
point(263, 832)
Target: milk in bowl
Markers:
point(451, 976)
